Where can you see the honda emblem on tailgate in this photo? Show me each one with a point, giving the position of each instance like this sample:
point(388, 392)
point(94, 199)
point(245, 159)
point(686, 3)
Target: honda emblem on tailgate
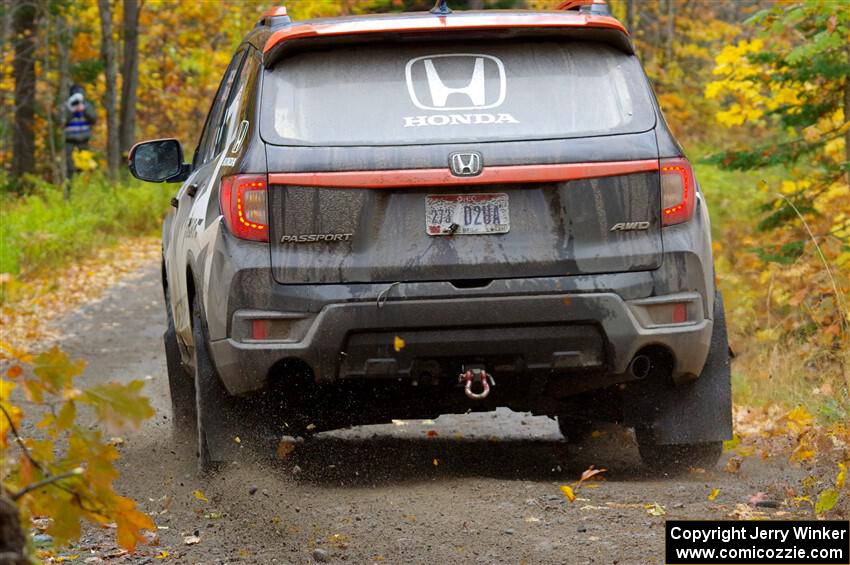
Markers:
point(467, 73)
point(465, 164)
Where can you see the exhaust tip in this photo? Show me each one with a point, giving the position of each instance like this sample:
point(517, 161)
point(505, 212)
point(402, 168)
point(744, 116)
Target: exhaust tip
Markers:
point(640, 366)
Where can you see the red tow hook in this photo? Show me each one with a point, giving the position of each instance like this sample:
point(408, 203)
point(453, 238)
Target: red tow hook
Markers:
point(481, 375)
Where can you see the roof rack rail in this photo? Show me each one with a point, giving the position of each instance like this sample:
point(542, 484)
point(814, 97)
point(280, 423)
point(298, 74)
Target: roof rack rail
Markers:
point(595, 7)
point(274, 16)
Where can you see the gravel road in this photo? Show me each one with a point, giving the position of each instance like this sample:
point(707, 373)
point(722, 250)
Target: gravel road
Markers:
point(478, 488)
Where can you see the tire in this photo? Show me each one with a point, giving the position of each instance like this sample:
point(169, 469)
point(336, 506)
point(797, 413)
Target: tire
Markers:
point(677, 457)
point(574, 430)
point(181, 383)
point(217, 414)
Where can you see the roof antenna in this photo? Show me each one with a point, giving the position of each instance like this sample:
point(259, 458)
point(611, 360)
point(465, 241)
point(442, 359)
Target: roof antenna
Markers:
point(441, 8)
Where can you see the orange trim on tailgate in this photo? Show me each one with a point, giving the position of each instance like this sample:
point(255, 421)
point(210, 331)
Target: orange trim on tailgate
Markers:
point(489, 175)
point(418, 23)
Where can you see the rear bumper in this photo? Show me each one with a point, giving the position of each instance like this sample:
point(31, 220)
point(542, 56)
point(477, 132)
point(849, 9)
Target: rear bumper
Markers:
point(559, 331)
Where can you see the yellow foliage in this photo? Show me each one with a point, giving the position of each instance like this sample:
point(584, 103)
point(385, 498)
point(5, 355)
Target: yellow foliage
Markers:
point(84, 160)
point(568, 493)
point(86, 470)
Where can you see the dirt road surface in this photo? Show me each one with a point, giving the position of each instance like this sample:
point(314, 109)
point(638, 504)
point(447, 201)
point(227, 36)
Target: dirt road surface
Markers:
point(480, 488)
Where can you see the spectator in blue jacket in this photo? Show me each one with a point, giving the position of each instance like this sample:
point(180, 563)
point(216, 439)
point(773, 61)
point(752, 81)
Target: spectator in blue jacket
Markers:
point(78, 117)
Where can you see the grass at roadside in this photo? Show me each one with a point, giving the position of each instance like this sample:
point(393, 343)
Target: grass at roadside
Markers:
point(42, 231)
point(773, 365)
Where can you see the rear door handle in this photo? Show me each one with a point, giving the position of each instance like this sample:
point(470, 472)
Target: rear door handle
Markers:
point(192, 189)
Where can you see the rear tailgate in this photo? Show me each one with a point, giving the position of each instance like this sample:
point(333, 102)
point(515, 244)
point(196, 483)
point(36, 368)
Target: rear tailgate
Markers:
point(384, 120)
point(334, 235)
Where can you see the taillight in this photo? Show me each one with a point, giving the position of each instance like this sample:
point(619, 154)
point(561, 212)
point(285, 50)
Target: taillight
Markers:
point(244, 205)
point(678, 191)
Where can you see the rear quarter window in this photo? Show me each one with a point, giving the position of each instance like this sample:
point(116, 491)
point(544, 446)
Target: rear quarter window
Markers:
point(454, 92)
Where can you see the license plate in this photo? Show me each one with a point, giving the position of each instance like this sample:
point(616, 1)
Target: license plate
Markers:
point(466, 214)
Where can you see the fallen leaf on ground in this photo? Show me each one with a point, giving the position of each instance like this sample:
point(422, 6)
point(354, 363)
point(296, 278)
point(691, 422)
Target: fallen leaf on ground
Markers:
point(284, 449)
point(191, 540)
point(809, 482)
point(432, 433)
point(798, 419)
point(339, 541)
point(744, 512)
point(568, 492)
point(589, 473)
point(655, 509)
point(734, 464)
point(803, 452)
point(161, 555)
point(713, 494)
point(398, 344)
point(199, 494)
point(826, 500)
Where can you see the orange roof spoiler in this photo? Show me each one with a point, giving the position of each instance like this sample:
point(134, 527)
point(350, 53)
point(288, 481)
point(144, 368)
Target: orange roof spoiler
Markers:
point(274, 16)
point(274, 11)
point(414, 23)
point(576, 4)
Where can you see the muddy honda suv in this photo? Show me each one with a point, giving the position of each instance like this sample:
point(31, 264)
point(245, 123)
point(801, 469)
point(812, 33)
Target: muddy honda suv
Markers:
point(398, 216)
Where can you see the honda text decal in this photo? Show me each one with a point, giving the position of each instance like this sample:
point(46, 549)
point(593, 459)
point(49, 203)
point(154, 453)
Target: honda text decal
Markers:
point(457, 86)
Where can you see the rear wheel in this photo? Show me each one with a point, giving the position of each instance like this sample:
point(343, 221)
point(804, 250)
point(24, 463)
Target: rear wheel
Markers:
point(217, 412)
point(680, 456)
point(676, 458)
point(574, 430)
point(181, 383)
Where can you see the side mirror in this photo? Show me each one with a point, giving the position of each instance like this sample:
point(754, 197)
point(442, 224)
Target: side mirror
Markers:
point(160, 160)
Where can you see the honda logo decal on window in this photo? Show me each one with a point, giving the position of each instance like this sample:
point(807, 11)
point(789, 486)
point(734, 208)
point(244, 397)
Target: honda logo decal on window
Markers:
point(465, 164)
point(456, 81)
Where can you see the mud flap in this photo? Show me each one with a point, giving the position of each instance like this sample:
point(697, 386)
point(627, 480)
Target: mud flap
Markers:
point(697, 412)
point(220, 417)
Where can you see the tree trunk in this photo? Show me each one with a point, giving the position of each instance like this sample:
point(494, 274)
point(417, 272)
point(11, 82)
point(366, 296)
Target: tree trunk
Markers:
point(107, 51)
point(12, 539)
point(129, 75)
point(48, 114)
point(23, 69)
point(847, 117)
point(630, 17)
point(5, 95)
point(63, 39)
point(671, 31)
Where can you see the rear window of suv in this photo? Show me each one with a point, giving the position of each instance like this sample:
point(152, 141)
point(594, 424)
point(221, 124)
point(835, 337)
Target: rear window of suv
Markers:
point(400, 94)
